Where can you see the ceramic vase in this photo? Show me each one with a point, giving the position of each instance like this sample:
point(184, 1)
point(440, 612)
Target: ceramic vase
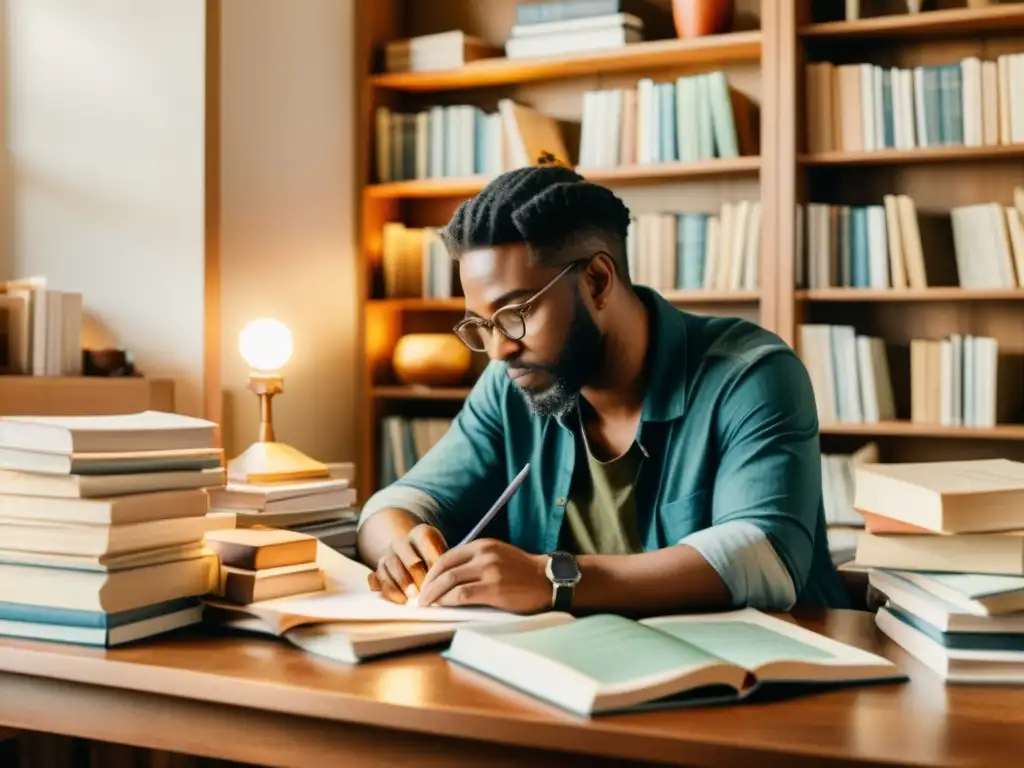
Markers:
point(697, 18)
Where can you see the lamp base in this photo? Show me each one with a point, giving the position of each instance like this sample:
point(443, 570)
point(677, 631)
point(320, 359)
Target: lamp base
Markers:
point(268, 462)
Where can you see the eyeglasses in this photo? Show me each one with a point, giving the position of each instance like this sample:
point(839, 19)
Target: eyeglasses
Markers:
point(510, 320)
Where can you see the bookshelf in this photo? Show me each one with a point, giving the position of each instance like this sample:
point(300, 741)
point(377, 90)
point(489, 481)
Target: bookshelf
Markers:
point(766, 58)
point(941, 178)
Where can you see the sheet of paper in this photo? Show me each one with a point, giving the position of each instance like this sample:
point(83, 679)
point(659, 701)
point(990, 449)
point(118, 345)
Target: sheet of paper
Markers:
point(371, 606)
point(341, 574)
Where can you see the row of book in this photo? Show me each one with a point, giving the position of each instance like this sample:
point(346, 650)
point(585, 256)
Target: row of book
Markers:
point(942, 543)
point(838, 478)
point(415, 263)
point(40, 329)
point(462, 140)
point(850, 10)
point(838, 489)
point(865, 107)
point(404, 441)
point(694, 250)
point(693, 118)
point(953, 381)
point(893, 245)
point(849, 373)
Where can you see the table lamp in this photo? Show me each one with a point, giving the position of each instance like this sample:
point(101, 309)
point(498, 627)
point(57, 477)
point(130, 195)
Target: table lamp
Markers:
point(266, 345)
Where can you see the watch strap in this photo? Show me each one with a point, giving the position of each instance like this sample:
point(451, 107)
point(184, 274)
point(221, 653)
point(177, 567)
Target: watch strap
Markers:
point(561, 596)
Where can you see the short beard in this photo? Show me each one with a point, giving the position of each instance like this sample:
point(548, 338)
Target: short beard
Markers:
point(581, 358)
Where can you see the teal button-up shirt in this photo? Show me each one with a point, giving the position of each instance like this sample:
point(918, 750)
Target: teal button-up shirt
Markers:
point(731, 461)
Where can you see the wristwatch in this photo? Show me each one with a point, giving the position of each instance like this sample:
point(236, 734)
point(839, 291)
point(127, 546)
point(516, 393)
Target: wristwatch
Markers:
point(564, 574)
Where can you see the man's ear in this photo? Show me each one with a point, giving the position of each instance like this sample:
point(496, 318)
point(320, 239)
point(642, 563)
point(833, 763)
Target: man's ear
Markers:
point(600, 278)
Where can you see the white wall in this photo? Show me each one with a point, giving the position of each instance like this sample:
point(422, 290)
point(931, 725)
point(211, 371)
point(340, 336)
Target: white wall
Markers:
point(287, 245)
point(105, 101)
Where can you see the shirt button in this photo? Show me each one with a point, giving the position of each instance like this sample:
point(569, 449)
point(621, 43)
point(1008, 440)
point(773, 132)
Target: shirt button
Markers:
point(560, 501)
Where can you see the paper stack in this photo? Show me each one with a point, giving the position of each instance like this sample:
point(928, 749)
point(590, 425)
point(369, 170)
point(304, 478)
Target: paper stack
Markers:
point(321, 508)
point(944, 542)
point(102, 523)
point(265, 563)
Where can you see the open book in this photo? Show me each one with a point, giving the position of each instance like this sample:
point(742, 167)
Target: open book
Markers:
point(346, 621)
point(606, 663)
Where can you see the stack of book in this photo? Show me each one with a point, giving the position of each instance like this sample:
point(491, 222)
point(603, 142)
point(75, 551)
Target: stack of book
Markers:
point(944, 542)
point(561, 28)
point(102, 524)
point(265, 563)
point(442, 50)
point(325, 509)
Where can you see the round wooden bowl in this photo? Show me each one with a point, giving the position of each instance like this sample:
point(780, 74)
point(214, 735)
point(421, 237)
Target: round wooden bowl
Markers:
point(431, 359)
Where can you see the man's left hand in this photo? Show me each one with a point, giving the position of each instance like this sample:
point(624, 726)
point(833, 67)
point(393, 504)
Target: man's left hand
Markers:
point(488, 572)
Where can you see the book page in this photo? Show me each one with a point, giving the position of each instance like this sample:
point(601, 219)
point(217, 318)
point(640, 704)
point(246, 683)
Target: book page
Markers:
point(610, 650)
point(754, 639)
point(743, 643)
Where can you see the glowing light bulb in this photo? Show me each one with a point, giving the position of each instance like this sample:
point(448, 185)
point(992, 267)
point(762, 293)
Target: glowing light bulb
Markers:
point(266, 344)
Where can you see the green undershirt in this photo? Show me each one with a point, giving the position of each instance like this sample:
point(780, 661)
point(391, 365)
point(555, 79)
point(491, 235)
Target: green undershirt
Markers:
point(600, 513)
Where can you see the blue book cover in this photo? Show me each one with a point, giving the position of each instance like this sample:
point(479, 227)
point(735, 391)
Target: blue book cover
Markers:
point(69, 617)
point(667, 108)
point(888, 122)
point(859, 263)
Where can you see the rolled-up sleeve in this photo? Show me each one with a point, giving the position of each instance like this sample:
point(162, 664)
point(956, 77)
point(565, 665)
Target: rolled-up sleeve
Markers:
point(767, 491)
point(458, 476)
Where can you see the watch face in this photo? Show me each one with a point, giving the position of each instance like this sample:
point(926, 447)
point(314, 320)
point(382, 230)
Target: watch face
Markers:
point(563, 567)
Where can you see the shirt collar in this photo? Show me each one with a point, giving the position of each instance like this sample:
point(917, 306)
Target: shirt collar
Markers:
point(665, 362)
point(667, 385)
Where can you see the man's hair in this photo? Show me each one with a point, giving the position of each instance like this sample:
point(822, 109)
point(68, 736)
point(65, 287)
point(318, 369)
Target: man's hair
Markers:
point(550, 209)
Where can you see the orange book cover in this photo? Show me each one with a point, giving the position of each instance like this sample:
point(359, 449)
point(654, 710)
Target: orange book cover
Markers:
point(874, 523)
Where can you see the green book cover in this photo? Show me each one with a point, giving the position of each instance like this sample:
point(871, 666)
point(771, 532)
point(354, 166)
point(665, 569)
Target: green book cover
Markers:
point(608, 663)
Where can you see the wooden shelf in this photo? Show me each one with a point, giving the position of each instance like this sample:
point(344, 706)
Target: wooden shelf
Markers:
point(421, 305)
point(624, 175)
point(83, 395)
point(919, 155)
point(654, 172)
point(463, 187)
point(944, 293)
point(400, 392)
point(911, 429)
point(700, 52)
point(955, 21)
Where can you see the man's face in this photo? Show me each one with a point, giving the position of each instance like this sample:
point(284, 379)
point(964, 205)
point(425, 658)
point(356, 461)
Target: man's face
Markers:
point(563, 346)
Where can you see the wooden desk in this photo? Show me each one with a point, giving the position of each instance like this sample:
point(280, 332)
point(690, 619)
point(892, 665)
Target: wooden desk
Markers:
point(261, 701)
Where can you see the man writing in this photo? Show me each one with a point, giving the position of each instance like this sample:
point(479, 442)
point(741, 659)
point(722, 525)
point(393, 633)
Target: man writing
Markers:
point(674, 458)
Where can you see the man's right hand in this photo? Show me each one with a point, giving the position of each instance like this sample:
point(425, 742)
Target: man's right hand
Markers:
point(405, 562)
